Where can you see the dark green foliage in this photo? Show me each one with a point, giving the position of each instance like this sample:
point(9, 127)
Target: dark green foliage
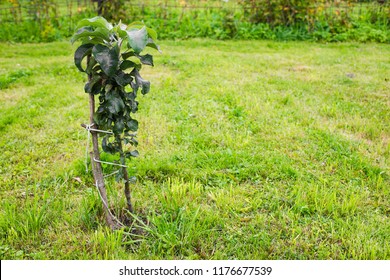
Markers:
point(113, 61)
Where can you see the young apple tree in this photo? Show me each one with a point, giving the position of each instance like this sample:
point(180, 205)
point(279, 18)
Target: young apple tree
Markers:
point(112, 58)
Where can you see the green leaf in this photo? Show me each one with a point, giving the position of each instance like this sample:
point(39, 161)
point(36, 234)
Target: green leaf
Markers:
point(94, 86)
point(126, 55)
point(104, 144)
point(79, 33)
point(134, 106)
point(108, 87)
point(138, 25)
point(107, 58)
point(135, 25)
point(132, 180)
point(130, 100)
point(115, 103)
point(153, 45)
point(119, 176)
point(120, 29)
point(119, 126)
point(95, 22)
point(131, 141)
point(101, 34)
point(139, 82)
point(107, 146)
point(127, 64)
point(145, 87)
point(152, 33)
point(132, 125)
point(131, 96)
point(80, 53)
point(146, 59)
point(123, 79)
point(138, 39)
point(100, 118)
point(134, 153)
point(96, 69)
point(91, 65)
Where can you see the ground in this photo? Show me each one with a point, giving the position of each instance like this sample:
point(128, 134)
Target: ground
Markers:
point(248, 150)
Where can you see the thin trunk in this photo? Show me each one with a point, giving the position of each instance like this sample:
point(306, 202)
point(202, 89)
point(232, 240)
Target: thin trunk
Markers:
point(96, 166)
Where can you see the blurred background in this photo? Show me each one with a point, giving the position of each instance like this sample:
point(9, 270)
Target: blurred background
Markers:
point(323, 20)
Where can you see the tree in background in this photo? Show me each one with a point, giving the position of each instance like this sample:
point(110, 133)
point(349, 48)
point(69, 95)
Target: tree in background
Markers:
point(110, 9)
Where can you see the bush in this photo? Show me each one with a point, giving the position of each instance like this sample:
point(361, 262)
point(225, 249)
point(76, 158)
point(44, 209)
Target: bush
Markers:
point(323, 20)
point(278, 12)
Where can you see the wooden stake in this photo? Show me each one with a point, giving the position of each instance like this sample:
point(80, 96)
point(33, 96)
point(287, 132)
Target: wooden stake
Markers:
point(97, 169)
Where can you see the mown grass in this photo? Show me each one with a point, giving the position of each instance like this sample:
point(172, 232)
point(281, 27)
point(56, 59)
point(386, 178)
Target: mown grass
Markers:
point(249, 150)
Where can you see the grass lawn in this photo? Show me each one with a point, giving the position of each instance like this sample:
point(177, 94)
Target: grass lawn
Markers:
point(248, 150)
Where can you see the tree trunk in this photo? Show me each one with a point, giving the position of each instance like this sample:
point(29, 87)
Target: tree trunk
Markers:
point(100, 7)
point(96, 166)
